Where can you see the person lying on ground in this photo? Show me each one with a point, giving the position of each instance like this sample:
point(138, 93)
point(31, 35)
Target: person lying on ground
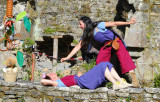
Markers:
point(92, 79)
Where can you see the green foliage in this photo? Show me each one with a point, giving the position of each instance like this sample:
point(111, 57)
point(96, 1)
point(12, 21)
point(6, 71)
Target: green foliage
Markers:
point(58, 28)
point(90, 65)
point(128, 99)
point(157, 77)
point(149, 30)
point(59, 74)
point(48, 31)
point(109, 84)
point(156, 80)
point(27, 45)
point(75, 42)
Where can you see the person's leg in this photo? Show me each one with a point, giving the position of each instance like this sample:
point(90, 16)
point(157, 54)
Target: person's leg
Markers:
point(117, 77)
point(116, 84)
point(109, 76)
point(126, 63)
point(115, 74)
point(49, 82)
point(104, 55)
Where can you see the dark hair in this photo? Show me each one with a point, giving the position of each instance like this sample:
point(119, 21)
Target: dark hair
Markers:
point(88, 31)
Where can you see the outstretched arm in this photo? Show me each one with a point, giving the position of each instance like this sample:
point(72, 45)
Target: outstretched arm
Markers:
point(74, 51)
point(49, 82)
point(119, 23)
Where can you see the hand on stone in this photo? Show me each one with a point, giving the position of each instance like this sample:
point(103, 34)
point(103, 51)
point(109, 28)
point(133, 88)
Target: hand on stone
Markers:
point(132, 20)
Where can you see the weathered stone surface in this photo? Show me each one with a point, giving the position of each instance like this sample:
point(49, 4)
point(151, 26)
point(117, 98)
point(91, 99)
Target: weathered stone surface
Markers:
point(143, 6)
point(30, 99)
point(156, 96)
point(135, 90)
point(10, 92)
point(122, 94)
point(98, 96)
point(82, 96)
point(111, 93)
point(42, 93)
point(102, 89)
point(147, 95)
point(152, 90)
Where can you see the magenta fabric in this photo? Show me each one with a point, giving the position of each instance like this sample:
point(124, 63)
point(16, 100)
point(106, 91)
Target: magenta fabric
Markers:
point(125, 59)
point(68, 80)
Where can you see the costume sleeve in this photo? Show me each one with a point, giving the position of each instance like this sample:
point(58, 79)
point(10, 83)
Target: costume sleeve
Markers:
point(101, 26)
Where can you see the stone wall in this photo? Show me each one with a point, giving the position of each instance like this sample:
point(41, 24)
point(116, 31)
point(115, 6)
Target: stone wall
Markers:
point(141, 38)
point(35, 92)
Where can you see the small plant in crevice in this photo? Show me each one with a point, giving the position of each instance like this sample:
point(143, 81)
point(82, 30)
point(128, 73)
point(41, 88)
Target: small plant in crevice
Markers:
point(149, 30)
point(48, 31)
point(75, 42)
point(109, 84)
point(88, 66)
point(156, 79)
point(128, 99)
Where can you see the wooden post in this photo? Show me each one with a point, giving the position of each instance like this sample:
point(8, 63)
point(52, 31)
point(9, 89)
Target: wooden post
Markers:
point(55, 51)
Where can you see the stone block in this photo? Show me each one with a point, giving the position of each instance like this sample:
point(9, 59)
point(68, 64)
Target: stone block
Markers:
point(10, 92)
point(9, 100)
point(111, 93)
point(4, 88)
point(86, 91)
point(102, 89)
point(137, 97)
point(75, 90)
point(31, 99)
point(143, 6)
point(98, 96)
point(20, 28)
point(135, 90)
point(146, 95)
point(152, 90)
point(148, 100)
point(156, 96)
point(120, 94)
point(138, 35)
point(82, 96)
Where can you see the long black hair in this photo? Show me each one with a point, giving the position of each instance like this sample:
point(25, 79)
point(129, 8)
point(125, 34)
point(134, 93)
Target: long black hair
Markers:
point(88, 31)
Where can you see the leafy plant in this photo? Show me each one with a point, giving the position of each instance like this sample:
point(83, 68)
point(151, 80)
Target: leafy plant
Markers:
point(48, 31)
point(109, 84)
point(128, 99)
point(157, 81)
point(90, 65)
point(75, 42)
point(59, 74)
point(28, 45)
point(149, 30)
point(157, 77)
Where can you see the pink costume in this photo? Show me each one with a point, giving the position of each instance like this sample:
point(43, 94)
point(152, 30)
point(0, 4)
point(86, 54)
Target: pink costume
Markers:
point(104, 35)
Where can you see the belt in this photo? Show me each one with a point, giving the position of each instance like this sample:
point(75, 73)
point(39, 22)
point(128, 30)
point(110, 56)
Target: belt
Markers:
point(110, 42)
